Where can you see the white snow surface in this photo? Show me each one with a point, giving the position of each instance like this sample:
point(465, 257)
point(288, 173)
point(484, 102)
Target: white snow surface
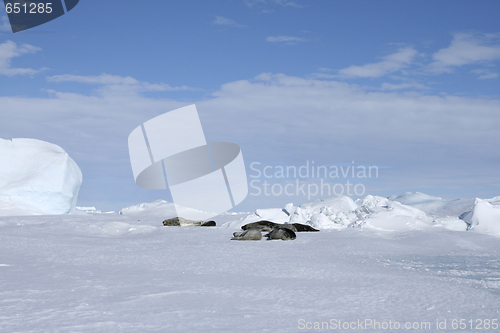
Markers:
point(37, 177)
point(113, 273)
point(163, 209)
point(434, 206)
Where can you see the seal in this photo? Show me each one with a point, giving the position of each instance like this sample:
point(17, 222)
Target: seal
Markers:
point(261, 225)
point(303, 227)
point(281, 233)
point(250, 234)
point(209, 224)
point(269, 226)
point(181, 222)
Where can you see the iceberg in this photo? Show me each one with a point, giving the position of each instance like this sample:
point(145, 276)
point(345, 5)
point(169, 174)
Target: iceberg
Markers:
point(37, 178)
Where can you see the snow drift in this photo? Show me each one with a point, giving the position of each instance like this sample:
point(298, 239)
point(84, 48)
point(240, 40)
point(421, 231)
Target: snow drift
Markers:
point(37, 177)
point(434, 206)
point(163, 209)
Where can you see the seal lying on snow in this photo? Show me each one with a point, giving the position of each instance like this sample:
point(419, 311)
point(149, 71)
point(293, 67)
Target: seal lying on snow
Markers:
point(303, 227)
point(269, 226)
point(182, 222)
point(250, 234)
point(281, 233)
point(261, 225)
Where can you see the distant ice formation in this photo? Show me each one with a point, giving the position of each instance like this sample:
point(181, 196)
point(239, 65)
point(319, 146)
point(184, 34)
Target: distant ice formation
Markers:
point(405, 212)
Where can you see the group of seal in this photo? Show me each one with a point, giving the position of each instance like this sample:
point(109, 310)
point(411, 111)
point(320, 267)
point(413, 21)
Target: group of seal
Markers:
point(253, 231)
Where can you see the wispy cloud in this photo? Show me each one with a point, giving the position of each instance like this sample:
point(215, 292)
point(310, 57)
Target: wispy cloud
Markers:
point(391, 86)
point(285, 3)
point(285, 39)
point(485, 74)
point(104, 79)
point(389, 64)
point(116, 83)
point(223, 21)
point(9, 50)
point(288, 3)
point(466, 48)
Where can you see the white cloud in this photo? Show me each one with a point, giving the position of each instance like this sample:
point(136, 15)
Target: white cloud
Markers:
point(390, 86)
point(323, 76)
point(488, 76)
point(223, 21)
point(105, 79)
point(9, 50)
point(389, 64)
point(285, 39)
point(274, 117)
point(116, 83)
point(485, 74)
point(285, 3)
point(466, 48)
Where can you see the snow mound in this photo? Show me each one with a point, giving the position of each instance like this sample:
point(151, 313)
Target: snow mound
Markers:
point(372, 204)
point(486, 216)
point(451, 223)
point(273, 214)
point(87, 210)
point(331, 213)
point(163, 209)
point(276, 215)
point(341, 212)
point(434, 206)
point(37, 177)
point(387, 215)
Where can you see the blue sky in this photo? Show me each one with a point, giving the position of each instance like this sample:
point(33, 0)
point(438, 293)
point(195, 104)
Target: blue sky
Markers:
point(409, 86)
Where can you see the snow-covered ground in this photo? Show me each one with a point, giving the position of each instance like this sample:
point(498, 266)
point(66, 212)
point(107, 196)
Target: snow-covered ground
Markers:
point(128, 273)
point(413, 262)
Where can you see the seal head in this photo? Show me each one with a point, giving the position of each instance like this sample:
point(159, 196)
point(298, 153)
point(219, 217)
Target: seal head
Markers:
point(281, 233)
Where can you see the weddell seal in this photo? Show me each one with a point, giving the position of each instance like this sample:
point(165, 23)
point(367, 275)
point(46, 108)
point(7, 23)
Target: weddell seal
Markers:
point(281, 233)
point(250, 234)
point(269, 226)
point(209, 224)
point(303, 227)
point(261, 225)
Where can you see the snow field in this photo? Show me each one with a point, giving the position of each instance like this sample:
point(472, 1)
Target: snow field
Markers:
point(112, 273)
